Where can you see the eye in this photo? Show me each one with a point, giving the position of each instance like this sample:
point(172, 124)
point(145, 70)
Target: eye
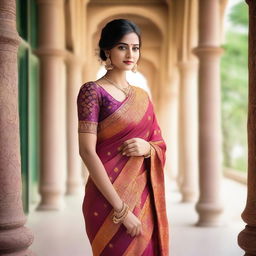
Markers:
point(121, 47)
point(136, 48)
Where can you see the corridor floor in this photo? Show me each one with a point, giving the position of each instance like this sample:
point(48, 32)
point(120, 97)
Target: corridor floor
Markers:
point(61, 233)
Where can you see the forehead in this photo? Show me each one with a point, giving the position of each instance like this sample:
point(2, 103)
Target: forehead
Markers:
point(130, 38)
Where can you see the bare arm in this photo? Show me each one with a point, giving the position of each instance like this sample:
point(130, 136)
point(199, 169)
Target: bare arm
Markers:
point(87, 151)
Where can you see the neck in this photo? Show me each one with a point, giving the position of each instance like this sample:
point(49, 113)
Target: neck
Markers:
point(119, 77)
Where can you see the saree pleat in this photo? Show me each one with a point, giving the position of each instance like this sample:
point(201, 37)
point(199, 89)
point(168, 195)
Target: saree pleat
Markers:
point(139, 183)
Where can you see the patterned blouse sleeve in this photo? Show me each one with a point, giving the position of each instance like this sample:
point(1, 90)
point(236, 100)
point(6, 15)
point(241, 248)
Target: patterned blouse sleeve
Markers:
point(88, 108)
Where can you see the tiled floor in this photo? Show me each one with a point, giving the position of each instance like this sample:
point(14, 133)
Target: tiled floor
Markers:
point(61, 233)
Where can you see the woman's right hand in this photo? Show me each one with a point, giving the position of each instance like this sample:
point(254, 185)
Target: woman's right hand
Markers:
point(132, 224)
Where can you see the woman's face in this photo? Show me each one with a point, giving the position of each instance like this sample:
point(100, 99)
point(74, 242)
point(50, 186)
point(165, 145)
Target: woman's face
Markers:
point(126, 53)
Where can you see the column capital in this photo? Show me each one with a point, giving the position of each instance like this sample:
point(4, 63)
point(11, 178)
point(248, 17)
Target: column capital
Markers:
point(187, 65)
point(208, 50)
point(73, 59)
point(47, 52)
point(8, 33)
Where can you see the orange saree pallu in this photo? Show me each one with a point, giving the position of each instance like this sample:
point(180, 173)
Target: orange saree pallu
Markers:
point(138, 181)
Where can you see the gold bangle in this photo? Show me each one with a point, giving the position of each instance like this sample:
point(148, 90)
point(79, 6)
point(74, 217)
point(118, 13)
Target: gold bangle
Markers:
point(121, 212)
point(120, 216)
point(121, 219)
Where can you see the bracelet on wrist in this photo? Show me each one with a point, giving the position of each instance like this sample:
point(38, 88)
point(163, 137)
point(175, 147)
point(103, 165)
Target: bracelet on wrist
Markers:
point(121, 212)
point(121, 215)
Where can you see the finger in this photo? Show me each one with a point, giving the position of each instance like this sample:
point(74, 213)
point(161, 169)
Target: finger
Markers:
point(129, 150)
point(133, 232)
point(132, 151)
point(129, 146)
point(128, 231)
point(127, 142)
point(139, 229)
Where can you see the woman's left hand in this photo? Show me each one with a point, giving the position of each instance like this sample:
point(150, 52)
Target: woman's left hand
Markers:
point(135, 147)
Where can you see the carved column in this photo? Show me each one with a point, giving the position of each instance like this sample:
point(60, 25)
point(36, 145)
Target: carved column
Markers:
point(74, 82)
point(209, 206)
point(14, 237)
point(187, 132)
point(247, 238)
point(51, 51)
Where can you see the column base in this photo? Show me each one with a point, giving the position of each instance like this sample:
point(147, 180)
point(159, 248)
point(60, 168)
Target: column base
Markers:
point(209, 214)
point(188, 198)
point(21, 253)
point(74, 188)
point(188, 195)
point(247, 240)
point(51, 203)
point(14, 242)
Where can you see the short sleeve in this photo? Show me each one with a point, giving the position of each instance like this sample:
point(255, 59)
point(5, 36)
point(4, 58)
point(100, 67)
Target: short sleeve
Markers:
point(88, 108)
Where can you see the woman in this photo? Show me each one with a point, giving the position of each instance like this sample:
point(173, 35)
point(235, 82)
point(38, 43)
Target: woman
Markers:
point(120, 142)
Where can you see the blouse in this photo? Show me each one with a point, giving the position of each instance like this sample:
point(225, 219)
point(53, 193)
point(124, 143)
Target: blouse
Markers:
point(94, 104)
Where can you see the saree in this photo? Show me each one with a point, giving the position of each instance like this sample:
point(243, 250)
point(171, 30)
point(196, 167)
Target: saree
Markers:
point(138, 181)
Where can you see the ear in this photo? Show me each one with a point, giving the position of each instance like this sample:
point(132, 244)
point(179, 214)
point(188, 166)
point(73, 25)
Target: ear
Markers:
point(107, 53)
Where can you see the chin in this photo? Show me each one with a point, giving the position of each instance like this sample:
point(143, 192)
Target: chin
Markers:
point(125, 69)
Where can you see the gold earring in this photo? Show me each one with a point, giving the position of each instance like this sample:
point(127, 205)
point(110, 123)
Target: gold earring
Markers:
point(134, 69)
point(108, 65)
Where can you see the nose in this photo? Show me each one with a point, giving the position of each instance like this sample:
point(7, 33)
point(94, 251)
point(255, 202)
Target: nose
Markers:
point(129, 52)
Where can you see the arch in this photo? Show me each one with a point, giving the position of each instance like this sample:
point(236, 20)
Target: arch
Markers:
point(154, 15)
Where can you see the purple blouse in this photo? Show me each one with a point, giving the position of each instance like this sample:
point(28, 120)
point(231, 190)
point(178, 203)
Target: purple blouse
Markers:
point(94, 104)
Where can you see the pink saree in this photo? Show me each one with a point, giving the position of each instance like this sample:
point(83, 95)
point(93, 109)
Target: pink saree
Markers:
point(138, 181)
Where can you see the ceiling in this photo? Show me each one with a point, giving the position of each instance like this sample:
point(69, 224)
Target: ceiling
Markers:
point(128, 2)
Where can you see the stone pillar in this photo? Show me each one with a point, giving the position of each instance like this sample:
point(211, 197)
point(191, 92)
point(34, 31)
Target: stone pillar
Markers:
point(209, 206)
point(74, 82)
point(187, 131)
point(247, 237)
point(14, 237)
point(51, 51)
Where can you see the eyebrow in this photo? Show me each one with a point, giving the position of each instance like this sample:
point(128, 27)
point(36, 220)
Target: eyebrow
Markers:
point(126, 43)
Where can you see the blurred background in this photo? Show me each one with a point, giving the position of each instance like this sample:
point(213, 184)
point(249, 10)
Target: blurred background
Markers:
point(58, 53)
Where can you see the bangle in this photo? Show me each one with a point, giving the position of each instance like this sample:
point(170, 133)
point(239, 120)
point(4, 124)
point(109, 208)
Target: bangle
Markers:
point(149, 153)
point(121, 212)
point(120, 216)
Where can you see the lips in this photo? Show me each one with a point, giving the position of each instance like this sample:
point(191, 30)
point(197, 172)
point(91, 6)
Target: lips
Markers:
point(128, 62)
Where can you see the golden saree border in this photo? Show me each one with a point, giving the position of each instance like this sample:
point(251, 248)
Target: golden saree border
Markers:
point(140, 243)
point(87, 126)
point(157, 180)
point(129, 193)
point(131, 111)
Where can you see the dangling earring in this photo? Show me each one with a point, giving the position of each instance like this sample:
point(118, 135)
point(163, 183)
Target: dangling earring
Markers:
point(134, 69)
point(108, 65)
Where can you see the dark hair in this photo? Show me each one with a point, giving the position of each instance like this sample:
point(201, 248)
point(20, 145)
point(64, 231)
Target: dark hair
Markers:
point(112, 33)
